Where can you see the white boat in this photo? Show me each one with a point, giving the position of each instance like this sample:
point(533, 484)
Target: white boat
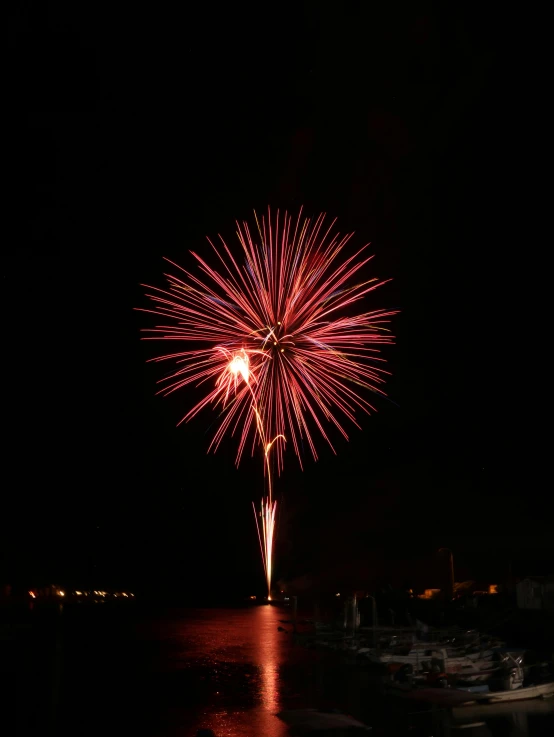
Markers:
point(513, 680)
point(462, 699)
point(422, 660)
point(542, 690)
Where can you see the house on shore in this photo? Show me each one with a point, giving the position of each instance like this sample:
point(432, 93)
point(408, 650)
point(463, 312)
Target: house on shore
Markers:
point(536, 592)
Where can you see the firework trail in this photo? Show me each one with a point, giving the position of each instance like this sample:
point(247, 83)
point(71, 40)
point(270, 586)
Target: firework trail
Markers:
point(275, 339)
point(238, 365)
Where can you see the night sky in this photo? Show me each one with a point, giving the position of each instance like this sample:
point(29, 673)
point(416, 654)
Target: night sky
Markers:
point(136, 134)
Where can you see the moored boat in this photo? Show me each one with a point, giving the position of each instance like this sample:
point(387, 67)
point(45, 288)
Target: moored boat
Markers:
point(541, 690)
point(509, 681)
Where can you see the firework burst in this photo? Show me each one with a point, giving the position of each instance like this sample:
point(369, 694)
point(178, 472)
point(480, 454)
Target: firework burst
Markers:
point(287, 316)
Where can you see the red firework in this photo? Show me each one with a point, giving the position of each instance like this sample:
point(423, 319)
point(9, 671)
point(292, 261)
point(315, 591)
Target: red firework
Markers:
point(275, 331)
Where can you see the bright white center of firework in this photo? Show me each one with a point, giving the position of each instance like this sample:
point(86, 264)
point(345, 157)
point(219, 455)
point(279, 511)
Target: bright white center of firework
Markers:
point(239, 366)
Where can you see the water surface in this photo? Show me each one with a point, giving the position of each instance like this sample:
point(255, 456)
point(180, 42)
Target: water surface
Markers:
point(115, 671)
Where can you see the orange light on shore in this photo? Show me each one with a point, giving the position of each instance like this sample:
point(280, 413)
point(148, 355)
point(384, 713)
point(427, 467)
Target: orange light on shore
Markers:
point(429, 594)
point(32, 595)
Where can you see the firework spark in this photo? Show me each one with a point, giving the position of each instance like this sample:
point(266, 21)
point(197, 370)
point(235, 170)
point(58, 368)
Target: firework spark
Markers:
point(275, 339)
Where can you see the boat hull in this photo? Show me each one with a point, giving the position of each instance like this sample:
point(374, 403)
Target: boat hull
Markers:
point(543, 690)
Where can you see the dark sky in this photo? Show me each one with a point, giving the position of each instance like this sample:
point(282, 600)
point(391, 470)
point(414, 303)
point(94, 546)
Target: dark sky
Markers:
point(138, 132)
